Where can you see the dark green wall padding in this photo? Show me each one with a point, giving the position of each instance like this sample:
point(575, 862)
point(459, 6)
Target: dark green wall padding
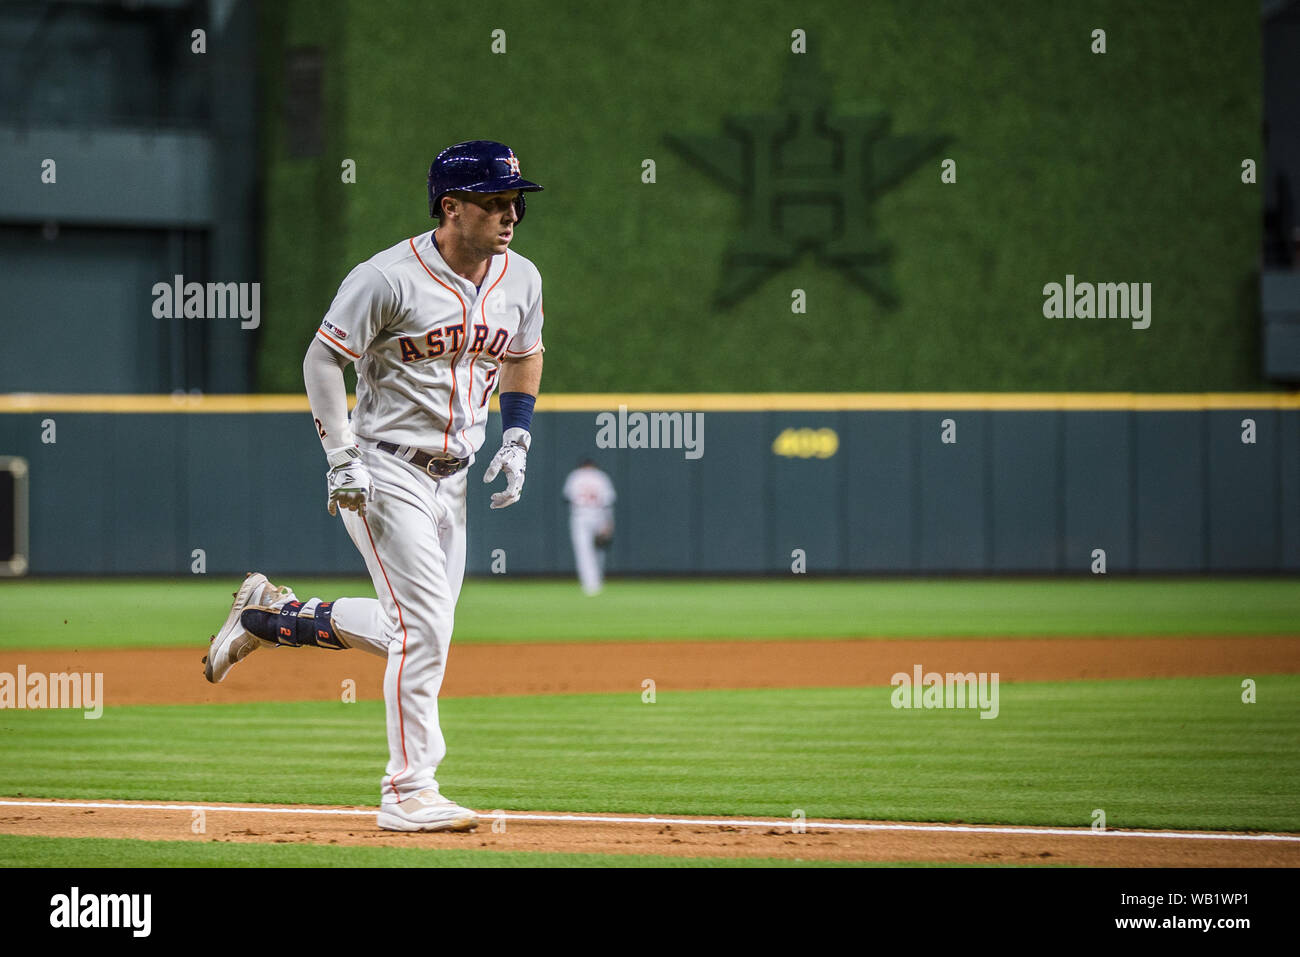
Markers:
point(1030, 491)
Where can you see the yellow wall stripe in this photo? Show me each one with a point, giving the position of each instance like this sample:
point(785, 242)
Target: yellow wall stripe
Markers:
point(701, 402)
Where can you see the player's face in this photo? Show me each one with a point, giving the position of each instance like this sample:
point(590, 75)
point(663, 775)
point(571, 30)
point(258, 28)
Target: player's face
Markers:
point(487, 220)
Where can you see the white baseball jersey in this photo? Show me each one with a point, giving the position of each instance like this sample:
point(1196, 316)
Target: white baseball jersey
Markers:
point(428, 345)
point(589, 488)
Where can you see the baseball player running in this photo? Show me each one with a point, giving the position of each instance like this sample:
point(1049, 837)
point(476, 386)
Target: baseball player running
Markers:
point(434, 324)
point(590, 494)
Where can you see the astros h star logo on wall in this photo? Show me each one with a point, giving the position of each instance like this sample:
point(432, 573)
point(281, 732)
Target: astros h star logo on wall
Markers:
point(808, 179)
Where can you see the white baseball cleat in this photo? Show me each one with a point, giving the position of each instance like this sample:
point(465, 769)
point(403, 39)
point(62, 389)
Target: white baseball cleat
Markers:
point(232, 644)
point(427, 811)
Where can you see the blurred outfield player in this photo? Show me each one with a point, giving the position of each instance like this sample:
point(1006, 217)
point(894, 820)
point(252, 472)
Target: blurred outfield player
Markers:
point(434, 325)
point(590, 495)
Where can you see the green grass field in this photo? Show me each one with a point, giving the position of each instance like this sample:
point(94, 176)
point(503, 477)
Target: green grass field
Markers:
point(73, 613)
point(1170, 753)
point(1160, 753)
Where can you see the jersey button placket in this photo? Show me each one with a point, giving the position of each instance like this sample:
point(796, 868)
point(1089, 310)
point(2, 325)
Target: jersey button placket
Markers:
point(480, 294)
point(464, 379)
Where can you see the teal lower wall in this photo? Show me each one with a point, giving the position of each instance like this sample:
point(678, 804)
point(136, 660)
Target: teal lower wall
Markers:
point(1018, 492)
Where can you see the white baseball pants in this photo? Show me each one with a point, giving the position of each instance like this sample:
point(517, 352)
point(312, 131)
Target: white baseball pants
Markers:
point(584, 525)
point(413, 540)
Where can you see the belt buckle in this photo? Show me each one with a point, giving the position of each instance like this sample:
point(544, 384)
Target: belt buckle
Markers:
point(442, 464)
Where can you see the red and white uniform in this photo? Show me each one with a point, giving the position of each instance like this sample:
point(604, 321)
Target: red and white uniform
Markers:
point(428, 347)
point(591, 498)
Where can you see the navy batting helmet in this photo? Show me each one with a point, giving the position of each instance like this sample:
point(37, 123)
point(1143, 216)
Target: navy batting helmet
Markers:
point(479, 166)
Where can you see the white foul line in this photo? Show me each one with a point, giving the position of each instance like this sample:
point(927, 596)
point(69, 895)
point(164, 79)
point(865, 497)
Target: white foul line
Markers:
point(721, 822)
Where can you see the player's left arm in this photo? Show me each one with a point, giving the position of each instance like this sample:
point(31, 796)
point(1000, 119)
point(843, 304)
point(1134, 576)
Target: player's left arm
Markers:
point(522, 375)
point(521, 381)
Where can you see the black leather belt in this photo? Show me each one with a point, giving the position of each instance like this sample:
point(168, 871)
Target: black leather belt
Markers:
point(440, 464)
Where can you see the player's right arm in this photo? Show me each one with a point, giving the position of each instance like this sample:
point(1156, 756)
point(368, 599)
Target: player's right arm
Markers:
point(364, 303)
point(348, 480)
point(322, 374)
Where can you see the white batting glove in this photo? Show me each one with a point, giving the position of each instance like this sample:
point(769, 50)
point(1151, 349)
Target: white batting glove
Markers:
point(350, 484)
point(512, 459)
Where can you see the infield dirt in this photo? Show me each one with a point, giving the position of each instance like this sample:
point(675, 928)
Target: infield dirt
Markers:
point(175, 675)
point(971, 845)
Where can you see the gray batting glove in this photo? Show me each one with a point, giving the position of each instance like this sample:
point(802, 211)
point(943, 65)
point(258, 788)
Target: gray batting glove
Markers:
point(350, 484)
point(512, 459)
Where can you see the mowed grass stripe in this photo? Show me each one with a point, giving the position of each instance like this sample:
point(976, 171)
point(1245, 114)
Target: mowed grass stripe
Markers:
point(1174, 753)
point(25, 851)
point(61, 613)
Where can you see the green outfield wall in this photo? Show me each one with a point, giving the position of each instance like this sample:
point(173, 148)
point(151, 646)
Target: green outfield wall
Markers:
point(777, 171)
point(1015, 484)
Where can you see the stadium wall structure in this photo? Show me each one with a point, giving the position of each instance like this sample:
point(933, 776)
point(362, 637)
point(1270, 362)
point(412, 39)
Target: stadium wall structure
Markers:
point(1123, 166)
point(1031, 484)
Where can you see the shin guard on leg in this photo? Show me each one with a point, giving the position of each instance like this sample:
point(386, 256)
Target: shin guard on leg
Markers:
point(295, 624)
